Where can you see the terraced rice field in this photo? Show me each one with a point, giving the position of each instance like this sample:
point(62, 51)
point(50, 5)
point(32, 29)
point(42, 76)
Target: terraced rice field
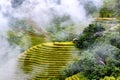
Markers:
point(47, 59)
point(74, 77)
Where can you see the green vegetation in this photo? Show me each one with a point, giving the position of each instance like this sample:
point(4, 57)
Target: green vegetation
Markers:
point(110, 9)
point(118, 29)
point(110, 78)
point(23, 35)
point(90, 34)
point(99, 57)
point(18, 39)
point(13, 38)
point(77, 77)
point(52, 78)
point(115, 42)
point(106, 12)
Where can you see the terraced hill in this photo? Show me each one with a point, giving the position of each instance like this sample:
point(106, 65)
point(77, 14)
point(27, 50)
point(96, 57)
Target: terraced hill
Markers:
point(47, 59)
point(74, 77)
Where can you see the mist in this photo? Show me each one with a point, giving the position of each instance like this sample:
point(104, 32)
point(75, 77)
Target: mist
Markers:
point(42, 14)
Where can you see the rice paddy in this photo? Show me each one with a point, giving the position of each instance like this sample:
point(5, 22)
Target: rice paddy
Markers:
point(46, 59)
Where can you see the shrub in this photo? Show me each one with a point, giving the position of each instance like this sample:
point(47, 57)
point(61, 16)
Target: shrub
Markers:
point(101, 61)
point(115, 42)
point(90, 34)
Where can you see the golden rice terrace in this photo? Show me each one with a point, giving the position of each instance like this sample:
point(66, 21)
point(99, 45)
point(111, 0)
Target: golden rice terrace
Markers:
point(47, 59)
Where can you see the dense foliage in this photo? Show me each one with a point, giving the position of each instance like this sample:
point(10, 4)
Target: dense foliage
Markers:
point(90, 34)
point(115, 42)
point(106, 12)
point(101, 56)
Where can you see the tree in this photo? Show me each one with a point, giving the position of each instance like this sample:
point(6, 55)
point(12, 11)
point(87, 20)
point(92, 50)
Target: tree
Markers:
point(90, 34)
